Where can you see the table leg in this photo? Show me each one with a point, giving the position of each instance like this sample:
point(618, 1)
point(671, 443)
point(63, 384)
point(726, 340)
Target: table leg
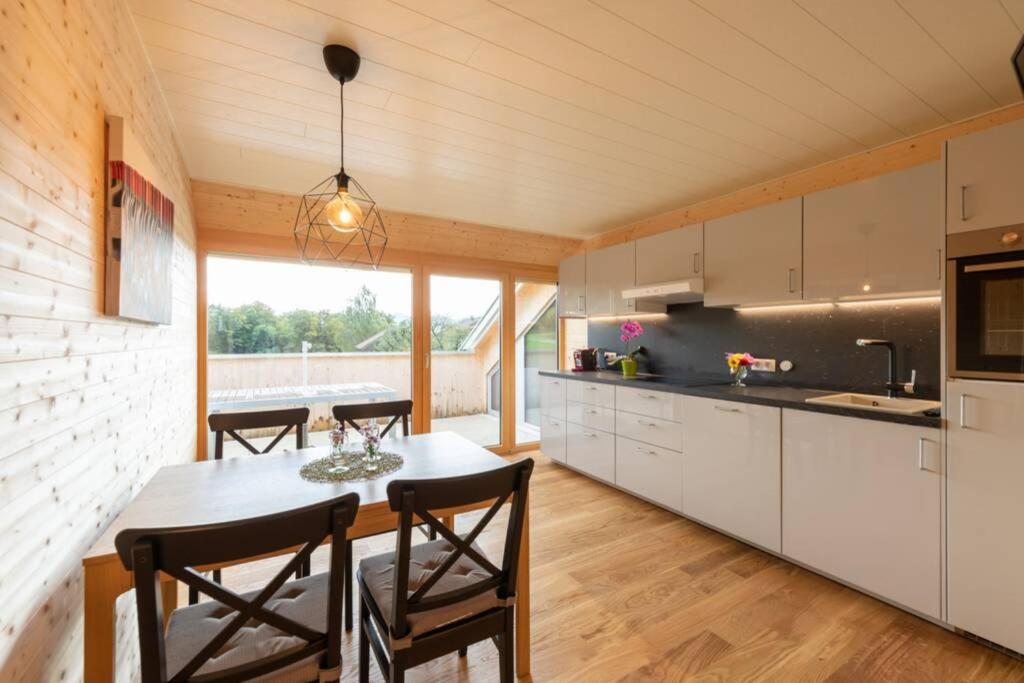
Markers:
point(103, 583)
point(523, 600)
point(449, 522)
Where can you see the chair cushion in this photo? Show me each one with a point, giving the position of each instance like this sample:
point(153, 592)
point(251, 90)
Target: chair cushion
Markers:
point(191, 628)
point(378, 573)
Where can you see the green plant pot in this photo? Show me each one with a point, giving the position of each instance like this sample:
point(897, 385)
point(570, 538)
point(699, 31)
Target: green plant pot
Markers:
point(628, 367)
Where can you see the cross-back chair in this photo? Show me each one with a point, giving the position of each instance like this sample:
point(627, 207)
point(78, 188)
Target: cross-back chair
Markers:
point(424, 601)
point(231, 423)
point(299, 633)
point(285, 419)
point(349, 414)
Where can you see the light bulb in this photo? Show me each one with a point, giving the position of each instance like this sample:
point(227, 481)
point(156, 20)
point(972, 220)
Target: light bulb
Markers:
point(343, 213)
point(866, 287)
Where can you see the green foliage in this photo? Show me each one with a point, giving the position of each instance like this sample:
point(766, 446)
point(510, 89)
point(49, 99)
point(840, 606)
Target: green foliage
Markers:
point(255, 328)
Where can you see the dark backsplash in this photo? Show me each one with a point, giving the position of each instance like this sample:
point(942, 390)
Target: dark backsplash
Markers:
point(691, 342)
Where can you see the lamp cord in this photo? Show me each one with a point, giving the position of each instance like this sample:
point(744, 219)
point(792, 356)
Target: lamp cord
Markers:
point(341, 124)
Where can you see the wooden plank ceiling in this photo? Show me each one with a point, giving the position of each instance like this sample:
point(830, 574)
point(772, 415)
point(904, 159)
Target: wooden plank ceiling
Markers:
point(569, 117)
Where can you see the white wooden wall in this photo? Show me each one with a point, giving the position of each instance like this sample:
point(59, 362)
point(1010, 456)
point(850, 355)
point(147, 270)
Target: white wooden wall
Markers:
point(90, 406)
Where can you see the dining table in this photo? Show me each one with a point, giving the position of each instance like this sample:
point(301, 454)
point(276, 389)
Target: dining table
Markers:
point(218, 491)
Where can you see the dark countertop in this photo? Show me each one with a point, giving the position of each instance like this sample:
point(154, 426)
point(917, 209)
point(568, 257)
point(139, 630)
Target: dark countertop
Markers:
point(781, 397)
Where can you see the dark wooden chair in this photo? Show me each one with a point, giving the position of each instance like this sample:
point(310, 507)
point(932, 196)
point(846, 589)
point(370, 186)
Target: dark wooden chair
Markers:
point(231, 424)
point(424, 601)
point(396, 411)
point(286, 631)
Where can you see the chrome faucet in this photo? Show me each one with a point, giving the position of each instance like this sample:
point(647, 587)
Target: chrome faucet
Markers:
point(892, 387)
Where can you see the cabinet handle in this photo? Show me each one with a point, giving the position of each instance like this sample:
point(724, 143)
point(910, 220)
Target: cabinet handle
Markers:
point(938, 263)
point(591, 412)
point(651, 396)
point(646, 424)
point(580, 303)
point(589, 388)
point(696, 262)
point(590, 434)
point(963, 202)
point(963, 411)
point(727, 410)
point(792, 271)
point(645, 450)
point(920, 455)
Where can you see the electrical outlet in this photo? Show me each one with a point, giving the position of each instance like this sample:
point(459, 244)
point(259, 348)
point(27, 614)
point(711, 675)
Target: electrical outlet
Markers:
point(763, 365)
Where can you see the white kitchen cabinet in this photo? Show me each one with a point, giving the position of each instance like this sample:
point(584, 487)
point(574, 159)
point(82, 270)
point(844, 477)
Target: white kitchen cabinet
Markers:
point(755, 257)
point(591, 451)
point(876, 237)
point(552, 437)
point(652, 430)
point(591, 393)
point(985, 509)
point(609, 271)
point(595, 417)
point(552, 417)
point(572, 287)
point(552, 396)
point(660, 404)
point(983, 179)
point(731, 467)
point(650, 472)
point(674, 255)
point(861, 501)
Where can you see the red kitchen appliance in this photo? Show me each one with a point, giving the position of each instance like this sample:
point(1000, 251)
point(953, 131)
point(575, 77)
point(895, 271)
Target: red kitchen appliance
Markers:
point(586, 360)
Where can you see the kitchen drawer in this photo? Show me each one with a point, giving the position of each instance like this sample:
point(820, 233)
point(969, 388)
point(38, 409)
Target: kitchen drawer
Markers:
point(594, 417)
point(652, 430)
point(591, 393)
point(658, 404)
point(591, 451)
point(650, 472)
point(552, 396)
point(552, 437)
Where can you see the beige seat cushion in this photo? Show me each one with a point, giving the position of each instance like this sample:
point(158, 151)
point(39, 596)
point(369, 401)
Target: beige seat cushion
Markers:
point(378, 574)
point(191, 628)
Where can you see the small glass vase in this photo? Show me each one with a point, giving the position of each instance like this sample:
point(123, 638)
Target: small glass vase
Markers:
point(740, 374)
point(628, 367)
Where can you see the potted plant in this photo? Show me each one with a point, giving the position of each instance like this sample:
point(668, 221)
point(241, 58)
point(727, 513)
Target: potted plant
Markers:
point(630, 330)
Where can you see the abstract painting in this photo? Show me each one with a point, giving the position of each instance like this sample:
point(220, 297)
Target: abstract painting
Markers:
point(140, 236)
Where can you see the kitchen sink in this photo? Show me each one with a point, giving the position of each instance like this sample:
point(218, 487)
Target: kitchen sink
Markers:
point(901, 406)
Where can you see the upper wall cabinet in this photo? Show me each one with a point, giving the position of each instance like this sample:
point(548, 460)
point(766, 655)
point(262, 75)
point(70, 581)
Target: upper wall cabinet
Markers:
point(983, 179)
point(609, 271)
point(673, 255)
point(572, 287)
point(876, 237)
point(755, 257)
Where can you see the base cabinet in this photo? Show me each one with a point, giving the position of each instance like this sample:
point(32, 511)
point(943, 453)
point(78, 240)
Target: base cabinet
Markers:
point(731, 464)
point(553, 437)
point(861, 501)
point(985, 499)
point(591, 451)
point(650, 472)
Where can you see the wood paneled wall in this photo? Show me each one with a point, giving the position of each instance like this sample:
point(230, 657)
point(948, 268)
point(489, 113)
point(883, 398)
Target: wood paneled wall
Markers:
point(225, 209)
point(916, 150)
point(90, 406)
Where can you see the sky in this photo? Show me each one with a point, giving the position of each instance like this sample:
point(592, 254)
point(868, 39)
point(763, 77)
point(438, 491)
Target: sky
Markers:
point(286, 286)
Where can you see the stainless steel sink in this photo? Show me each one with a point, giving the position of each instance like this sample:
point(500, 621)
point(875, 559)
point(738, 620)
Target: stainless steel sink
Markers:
point(901, 406)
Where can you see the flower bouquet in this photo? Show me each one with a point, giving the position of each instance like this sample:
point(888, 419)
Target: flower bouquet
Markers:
point(739, 367)
point(371, 445)
point(630, 330)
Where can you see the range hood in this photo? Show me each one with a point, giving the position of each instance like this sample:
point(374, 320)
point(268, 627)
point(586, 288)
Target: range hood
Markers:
point(675, 292)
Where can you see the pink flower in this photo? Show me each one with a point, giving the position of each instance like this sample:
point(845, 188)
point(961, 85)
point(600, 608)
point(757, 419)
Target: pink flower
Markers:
point(631, 329)
point(624, 339)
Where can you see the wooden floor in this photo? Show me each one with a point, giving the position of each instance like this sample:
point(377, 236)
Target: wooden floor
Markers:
point(624, 591)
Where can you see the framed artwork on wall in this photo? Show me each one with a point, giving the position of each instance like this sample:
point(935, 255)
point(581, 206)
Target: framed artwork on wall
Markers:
point(140, 234)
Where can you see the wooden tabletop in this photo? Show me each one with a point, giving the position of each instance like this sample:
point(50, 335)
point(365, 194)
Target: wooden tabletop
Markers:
point(215, 491)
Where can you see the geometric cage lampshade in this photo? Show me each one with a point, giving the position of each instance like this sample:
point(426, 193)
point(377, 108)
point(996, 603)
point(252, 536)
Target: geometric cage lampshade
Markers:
point(337, 220)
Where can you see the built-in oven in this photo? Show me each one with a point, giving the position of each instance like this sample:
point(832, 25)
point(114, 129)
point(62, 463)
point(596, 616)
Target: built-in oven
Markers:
point(985, 304)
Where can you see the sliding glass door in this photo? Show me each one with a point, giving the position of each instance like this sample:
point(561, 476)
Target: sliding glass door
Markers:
point(465, 358)
point(536, 343)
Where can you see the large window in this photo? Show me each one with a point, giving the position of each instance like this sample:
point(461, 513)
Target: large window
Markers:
point(283, 334)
